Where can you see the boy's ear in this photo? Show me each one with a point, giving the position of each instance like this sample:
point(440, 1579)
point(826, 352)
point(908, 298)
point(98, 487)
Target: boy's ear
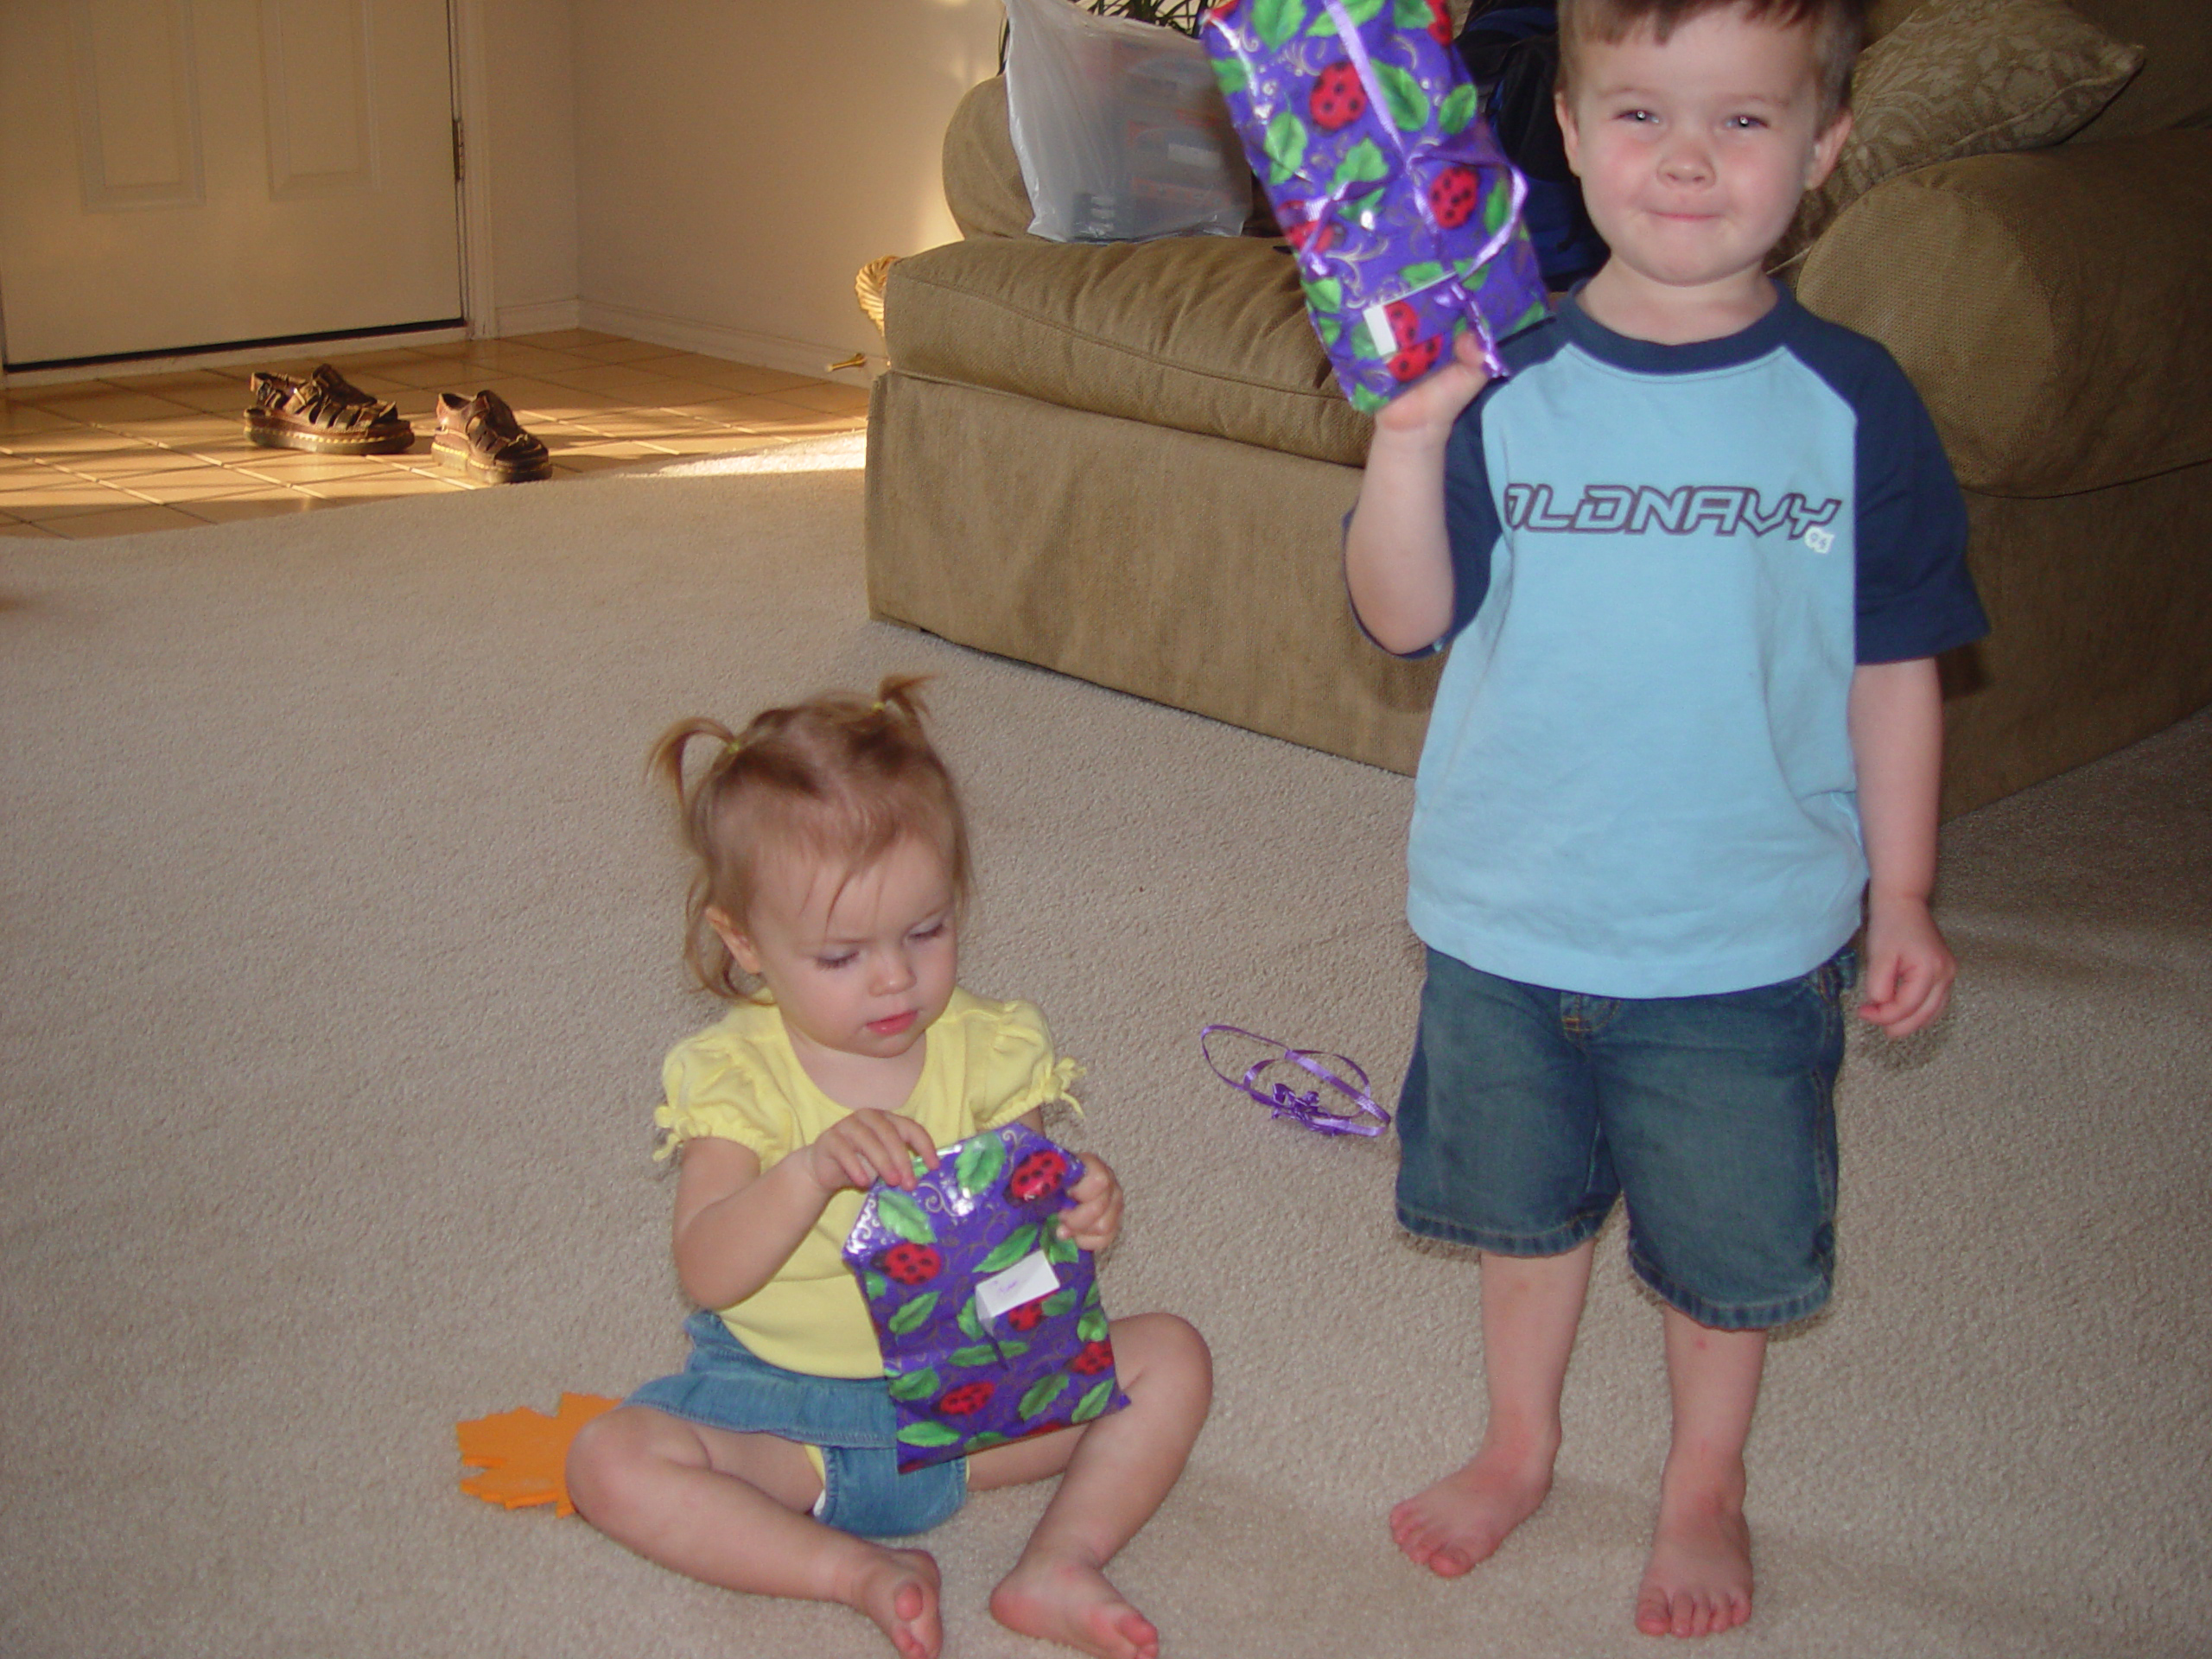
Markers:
point(1569, 137)
point(735, 942)
point(1826, 149)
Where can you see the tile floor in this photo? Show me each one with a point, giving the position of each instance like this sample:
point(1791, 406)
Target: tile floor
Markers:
point(161, 451)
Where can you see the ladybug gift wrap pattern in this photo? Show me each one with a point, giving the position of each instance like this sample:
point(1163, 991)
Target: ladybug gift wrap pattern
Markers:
point(1402, 213)
point(989, 1321)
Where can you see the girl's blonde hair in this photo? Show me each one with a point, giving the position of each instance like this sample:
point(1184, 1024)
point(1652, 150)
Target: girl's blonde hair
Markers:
point(837, 780)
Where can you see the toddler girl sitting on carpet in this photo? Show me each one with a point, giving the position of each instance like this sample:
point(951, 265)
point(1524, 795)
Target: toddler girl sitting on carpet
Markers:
point(831, 876)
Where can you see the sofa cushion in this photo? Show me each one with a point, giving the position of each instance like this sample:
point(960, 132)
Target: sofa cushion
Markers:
point(1965, 78)
point(2054, 307)
point(1205, 334)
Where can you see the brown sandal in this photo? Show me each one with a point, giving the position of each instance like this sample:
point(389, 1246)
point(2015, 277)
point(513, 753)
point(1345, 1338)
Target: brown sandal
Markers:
point(323, 413)
point(481, 435)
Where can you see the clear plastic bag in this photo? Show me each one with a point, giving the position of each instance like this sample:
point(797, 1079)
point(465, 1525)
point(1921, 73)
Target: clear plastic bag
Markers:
point(1121, 129)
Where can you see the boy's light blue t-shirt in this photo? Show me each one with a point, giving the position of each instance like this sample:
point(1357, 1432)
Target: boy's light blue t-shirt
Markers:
point(1637, 779)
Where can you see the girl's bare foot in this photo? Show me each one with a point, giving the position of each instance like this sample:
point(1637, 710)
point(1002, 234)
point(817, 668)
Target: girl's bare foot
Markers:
point(899, 1590)
point(1699, 1581)
point(1071, 1602)
point(1463, 1518)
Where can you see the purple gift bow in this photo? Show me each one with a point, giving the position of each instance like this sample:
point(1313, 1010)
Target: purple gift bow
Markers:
point(1282, 1101)
point(1356, 50)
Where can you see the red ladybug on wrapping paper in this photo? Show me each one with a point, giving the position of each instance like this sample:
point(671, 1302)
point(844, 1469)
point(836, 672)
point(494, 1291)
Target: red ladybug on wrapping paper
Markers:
point(911, 1264)
point(966, 1400)
point(1337, 99)
point(1095, 1357)
point(1039, 1175)
point(1411, 362)
point(1027, 1316)
point(1298, 230)
point(1453, 196)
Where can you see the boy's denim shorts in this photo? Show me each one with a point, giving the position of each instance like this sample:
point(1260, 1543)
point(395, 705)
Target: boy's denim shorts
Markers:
point(1527, 1111)
point(725, 1385)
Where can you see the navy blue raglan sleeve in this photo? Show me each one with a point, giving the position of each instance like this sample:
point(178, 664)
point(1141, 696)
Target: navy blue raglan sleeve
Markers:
point(1915, 596)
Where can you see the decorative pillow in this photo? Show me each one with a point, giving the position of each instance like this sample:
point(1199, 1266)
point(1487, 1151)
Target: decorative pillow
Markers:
point(1965, 78)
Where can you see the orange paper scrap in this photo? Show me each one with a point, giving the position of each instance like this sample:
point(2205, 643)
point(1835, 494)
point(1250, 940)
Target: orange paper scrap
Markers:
point(522, 1454)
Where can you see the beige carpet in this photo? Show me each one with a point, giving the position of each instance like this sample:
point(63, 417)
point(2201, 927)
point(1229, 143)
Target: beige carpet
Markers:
point(340, 950)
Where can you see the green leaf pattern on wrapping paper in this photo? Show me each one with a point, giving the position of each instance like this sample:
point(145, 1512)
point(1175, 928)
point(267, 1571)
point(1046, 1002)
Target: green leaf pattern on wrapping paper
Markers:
point(1367, 402)
point(1060, 1250)
point(1043, 1392)
point(1286, 146)
point(1409, 104)
point(1453, 114)
point(987, 1440)
point(1537, 311)
point(876, 1285)
point(1276, 21)
point(971, 1319)
point(1411, 14)
point(1060, 1302)
point(980, 1160)
point(1326, 295)
point(914, 1385)
point(1093, 1402)
point(928, 1434)
point(1232, 75)
point(1092, 1327)
point(1364, 210)
point(914, 1314)
point(1362, 162)
point(984, 1354)
point(1425, 275)
point(1016, 1245)
point(1360, 11)
point(1331, 329)
point(1495, 210)
point(901, 1214)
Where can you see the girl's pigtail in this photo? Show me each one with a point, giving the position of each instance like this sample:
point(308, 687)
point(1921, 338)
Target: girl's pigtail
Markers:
point(697, 800)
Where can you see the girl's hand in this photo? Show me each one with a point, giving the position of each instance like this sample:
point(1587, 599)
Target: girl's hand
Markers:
point(1427, 407)
point(866, 1147)
point(1096, 1217)
point(1909, 968)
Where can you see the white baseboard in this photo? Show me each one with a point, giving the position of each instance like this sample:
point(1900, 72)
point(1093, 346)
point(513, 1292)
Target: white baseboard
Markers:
point(736, 345)
point(544, 317)
point(293, 349)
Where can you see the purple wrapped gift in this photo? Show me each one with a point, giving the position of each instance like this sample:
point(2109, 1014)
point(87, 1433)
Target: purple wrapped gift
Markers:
point(989, 1320)
point(1404, 215)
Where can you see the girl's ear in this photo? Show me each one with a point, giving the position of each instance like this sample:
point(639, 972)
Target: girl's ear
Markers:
point(739, 946)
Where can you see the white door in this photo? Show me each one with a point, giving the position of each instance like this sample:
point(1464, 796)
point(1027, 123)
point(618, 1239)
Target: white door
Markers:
point(183, 173)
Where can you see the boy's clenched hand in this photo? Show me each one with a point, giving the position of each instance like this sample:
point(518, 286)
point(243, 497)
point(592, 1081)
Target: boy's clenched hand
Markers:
point(1427, 407)
point(1909, 968)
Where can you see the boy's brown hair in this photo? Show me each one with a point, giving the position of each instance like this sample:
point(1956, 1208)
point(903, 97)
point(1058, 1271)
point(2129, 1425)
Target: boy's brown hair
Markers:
point(836, 780)
point(1838, 31)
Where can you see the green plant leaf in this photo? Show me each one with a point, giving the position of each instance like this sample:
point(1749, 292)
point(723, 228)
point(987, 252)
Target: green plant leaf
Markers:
point(1093, 1402)
point(1276, 21)
point(1362, 162)
point(1457, 109)
point(1092, 1327)
point(982, 1158)
point(1042, 1392)
point(914, 1314)
point(1232, 75)
point(1427, 274)
point(902, 1216)
point(929, 1433)
point(1286, 146)
point(1016, 1245)
point(914, 1385)
point(1409, 104)
point(1326, 295)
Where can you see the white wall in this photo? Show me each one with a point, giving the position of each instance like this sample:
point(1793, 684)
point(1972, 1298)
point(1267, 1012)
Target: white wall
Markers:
point(738, 161)
point(528, 149)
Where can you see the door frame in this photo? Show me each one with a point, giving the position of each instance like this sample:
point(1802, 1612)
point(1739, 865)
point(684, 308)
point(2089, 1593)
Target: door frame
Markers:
point(471, 98)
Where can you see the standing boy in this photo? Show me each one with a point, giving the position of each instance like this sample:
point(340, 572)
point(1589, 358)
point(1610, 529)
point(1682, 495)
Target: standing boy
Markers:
point(1696, 558)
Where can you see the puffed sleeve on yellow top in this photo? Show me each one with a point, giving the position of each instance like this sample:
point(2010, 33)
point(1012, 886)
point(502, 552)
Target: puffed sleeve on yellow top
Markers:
point(986, 1063)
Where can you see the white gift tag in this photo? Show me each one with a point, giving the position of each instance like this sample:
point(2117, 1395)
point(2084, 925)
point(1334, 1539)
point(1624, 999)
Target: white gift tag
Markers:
point(1379, 330)
point(1025, 1282)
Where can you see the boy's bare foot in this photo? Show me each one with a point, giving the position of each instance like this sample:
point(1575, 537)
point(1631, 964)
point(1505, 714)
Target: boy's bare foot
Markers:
point(1699, 1581)
point(1463, 1518)
point(899, 1590)
point(1073, 1603)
